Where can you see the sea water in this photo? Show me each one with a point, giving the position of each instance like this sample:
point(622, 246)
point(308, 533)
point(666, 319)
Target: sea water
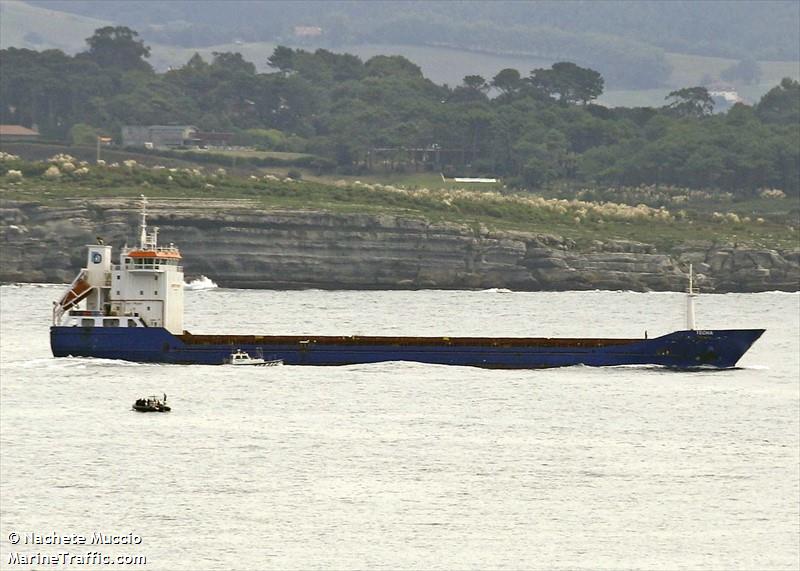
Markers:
point(403, 465)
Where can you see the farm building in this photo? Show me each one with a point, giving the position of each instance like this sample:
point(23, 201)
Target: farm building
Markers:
point(158, 136)
point(17, 133)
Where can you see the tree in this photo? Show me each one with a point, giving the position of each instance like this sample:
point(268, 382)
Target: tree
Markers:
point(392, 65)
point(690, 102)
point(344, 67)
point(478, 119)
point(231, 63)
point(507, 81)
point(83, 134)
point(476, 82)
point(543, 155)
point(570, 82)
point(196, 63)
point(472, 90)
point(118, 47)
point(282, 58)
point(585, 131)
point(781, 104)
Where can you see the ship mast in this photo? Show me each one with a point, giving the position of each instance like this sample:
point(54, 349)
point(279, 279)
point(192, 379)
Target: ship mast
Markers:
point(690, 295)
point(143, 223)
point(146, 242)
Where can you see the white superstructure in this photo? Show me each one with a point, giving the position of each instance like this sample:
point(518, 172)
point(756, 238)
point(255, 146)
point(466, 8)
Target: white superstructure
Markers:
point(144, 290)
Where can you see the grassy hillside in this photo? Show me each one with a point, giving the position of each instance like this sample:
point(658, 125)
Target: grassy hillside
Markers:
point(767, 29)
point(675, 215)
point(690, 70)
point(25, 26)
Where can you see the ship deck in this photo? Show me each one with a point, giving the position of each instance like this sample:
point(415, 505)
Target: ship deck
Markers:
point(358, 340)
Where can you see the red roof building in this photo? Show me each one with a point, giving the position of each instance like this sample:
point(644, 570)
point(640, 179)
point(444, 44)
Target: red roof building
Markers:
point(17, 133)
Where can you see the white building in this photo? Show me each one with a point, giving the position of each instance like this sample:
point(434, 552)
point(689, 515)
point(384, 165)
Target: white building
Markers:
point(158, 136)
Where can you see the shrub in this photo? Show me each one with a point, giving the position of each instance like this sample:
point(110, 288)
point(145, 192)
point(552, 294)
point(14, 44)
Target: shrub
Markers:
point(83, 134)
point(52, 172)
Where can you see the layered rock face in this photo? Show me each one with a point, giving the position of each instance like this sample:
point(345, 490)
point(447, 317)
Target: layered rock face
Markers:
point(241, 245)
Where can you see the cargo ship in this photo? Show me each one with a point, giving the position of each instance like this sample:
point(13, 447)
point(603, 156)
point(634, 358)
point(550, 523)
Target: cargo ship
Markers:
point(133, 310)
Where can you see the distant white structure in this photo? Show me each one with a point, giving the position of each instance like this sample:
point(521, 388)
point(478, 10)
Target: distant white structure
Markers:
point(307, 31)
point(158, 136)
point(730, 96)
point(468, 179)
point(459, 179)
point(724, 99)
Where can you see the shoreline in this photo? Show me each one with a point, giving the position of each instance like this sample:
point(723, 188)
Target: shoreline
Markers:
point(454, 289)
point(261, 248)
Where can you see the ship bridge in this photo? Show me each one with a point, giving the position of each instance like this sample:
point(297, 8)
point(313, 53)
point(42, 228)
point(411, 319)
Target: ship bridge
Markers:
point(150, 259)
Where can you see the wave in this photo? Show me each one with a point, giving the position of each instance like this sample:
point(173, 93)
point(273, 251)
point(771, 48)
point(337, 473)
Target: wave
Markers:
point(36, 284)
point(72, 363)
point(778, 292)
point(199, 284)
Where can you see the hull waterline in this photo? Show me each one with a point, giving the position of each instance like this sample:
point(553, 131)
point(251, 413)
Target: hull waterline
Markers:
point(681, 349)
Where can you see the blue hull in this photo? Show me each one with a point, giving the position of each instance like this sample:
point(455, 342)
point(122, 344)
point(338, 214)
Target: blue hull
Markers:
point(681, 349)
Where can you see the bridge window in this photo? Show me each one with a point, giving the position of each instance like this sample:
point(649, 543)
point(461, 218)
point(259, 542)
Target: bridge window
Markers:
point(111, 322)
point(87, 322)
point(131, 323)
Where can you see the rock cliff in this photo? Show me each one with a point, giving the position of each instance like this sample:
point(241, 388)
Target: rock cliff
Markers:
point(240, 245)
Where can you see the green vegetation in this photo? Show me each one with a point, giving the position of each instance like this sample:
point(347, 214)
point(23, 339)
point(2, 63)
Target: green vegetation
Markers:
point(345, 116)
point(736, 31)
point(244, 158)
point(665, 216)
point(253, 153)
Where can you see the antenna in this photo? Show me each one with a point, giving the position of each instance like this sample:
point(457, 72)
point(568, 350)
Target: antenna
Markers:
point(690, 295)
point(143, 223)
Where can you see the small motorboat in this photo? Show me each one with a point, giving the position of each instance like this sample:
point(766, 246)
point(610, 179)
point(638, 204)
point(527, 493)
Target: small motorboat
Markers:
point(151, 404)
point(240, 357)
